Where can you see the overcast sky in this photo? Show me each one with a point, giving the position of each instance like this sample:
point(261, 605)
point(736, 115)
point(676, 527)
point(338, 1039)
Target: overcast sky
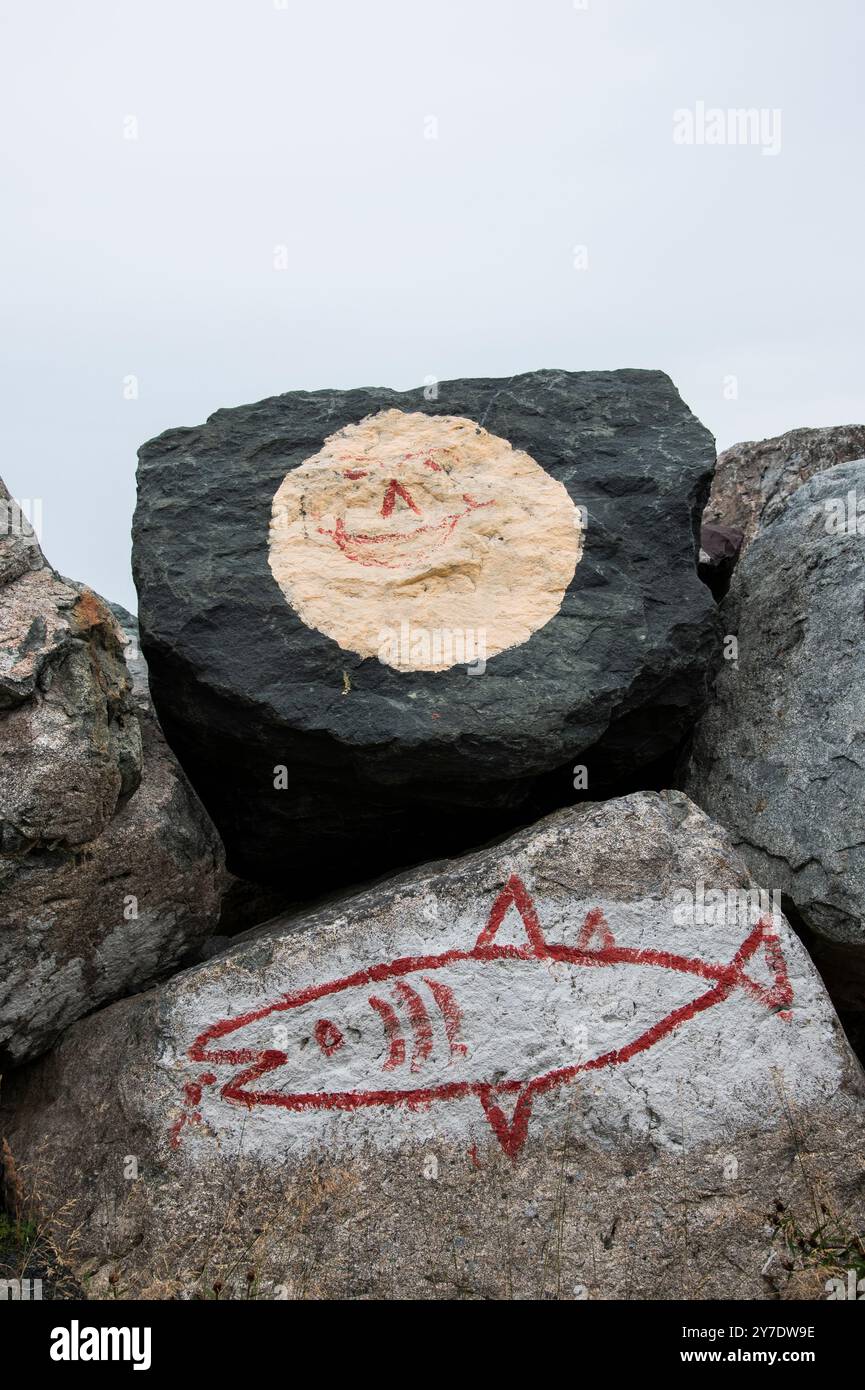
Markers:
point(224, 199)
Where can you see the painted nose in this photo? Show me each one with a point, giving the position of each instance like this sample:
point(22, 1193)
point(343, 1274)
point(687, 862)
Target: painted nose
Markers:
point(395, 490)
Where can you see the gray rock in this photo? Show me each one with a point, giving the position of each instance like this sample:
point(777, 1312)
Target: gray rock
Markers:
point(262, 645)
point(110, 870)
point(753, 481)
point(719, 551)
point(70, 746)
point(779, 756)
point(572, 1042)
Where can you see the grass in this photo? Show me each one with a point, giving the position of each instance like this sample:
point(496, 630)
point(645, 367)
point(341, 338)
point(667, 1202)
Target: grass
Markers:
point(825, 1243)
point(18, 1233)
point(829, 1246)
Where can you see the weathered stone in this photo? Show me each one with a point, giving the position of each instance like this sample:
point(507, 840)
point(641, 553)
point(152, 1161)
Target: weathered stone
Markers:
point(588, 1060)
point(719, 551)
point(110, 870)
point(753, 481)
point(69, 741)
point(376, 622)
point(778, 757)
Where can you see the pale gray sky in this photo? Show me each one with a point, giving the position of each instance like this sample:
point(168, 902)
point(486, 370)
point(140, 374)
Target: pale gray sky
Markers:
point(307, 126)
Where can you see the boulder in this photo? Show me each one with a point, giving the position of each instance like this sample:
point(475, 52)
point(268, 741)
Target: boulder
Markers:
point(242, 904)
point(70, 745)
point(719, 551)
point(753, 481)
point(110, 870)
point(779, 756)
point(591, 1061)
point(382, 626)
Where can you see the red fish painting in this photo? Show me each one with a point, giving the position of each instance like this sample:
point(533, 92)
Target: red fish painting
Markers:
point(407, 1019)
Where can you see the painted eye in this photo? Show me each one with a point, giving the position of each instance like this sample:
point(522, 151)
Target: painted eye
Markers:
point(328, 1036)
point(355, 473)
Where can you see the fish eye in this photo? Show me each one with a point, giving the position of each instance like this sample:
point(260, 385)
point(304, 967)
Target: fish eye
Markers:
point(328, 1036)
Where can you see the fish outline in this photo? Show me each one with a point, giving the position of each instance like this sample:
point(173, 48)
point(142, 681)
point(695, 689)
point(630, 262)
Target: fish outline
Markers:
point(511, 1133)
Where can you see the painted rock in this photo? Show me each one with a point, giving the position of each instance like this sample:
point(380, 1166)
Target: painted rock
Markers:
point(777, 757)
point(598, 1037)
point(110, 870)
point(382, 627)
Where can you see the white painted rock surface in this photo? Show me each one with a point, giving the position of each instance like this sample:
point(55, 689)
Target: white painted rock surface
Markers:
point(449, 527)
point(589, 1035)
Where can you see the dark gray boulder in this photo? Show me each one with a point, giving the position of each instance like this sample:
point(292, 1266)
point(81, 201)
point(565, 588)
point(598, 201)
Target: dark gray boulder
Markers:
point(779, 756)
point(549, 520)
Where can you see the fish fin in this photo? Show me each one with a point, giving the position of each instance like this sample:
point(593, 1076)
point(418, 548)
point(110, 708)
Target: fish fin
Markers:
point(514, 894)
point(779, 996)
point(595, 925)
point(508, 1113)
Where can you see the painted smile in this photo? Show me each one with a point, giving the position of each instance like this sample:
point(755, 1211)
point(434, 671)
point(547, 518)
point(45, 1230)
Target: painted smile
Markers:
point(396, 549)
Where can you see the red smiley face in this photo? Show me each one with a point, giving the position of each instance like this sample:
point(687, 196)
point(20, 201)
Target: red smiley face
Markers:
point(439, 510)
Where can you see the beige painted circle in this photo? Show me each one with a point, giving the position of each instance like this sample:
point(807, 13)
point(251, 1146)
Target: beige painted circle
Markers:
point(423, 540)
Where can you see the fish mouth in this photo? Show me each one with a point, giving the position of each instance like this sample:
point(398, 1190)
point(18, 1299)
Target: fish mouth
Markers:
point(396, 549)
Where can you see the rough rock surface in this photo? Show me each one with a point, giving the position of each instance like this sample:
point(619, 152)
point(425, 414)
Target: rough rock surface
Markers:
point(374, 621)
point(753, 481)
point(779, 756)
point(589, 1061)
point(242, 904)
point(719, 551)
point(70, 746)
point(110, 869)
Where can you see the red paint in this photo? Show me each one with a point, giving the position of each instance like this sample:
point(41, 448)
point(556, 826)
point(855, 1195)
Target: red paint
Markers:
point(419, 1019)
point(511, 1131)
point(328, 1036)
point(355, 473)
point(450, 1012)
point(426, 458)
point(354, 544)
point(395, 490)
point(514, 894)
point(192, 1115)
point(188, 1117)
point(396, 1042)
point(595, 925)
